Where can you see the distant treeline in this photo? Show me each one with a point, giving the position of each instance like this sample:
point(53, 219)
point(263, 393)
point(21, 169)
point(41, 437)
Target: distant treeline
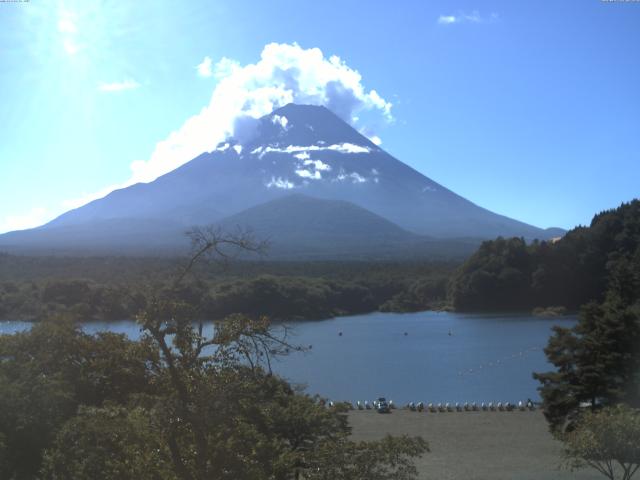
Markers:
point(113, 289)
point(508, 274)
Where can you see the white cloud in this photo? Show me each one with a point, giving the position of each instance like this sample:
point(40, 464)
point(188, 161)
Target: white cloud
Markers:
point(118, 86)
point(30, 219)
point(473, 17)
point(225, 67)
point(447, 19)
point(205, 69)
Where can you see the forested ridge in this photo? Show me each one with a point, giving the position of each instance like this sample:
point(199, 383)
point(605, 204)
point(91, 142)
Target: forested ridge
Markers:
point(509, 274)
point(103, 288)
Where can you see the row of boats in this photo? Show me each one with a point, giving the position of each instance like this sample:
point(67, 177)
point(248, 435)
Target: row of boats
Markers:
point(448, 407)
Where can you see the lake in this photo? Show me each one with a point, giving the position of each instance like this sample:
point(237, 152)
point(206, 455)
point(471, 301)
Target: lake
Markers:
point(425, 356)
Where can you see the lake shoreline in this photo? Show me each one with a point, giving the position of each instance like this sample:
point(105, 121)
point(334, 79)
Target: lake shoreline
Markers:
point(528, 312)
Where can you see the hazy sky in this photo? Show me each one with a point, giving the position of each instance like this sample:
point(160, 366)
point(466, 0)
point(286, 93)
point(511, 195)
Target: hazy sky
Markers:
point(530, 109)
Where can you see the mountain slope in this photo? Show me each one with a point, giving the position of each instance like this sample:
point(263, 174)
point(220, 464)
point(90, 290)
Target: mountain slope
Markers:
point(298, 149)
point(298, 225)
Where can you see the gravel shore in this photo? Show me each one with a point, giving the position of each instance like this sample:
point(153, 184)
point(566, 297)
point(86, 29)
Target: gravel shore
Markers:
point(475, 445)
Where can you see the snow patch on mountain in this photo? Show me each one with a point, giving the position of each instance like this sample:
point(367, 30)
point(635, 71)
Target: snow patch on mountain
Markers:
point(355, 177)
point(347, 148)
point(282, 183)
point(280, 120)
point(318, 164)
point(315, 175)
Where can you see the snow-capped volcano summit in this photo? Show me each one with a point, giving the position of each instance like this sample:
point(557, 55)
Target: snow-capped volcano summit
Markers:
point(297, 149)
point(290, 143)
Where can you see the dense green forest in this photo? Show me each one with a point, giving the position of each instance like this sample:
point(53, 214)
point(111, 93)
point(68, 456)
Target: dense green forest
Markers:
point(96, 288)
point(509, 274)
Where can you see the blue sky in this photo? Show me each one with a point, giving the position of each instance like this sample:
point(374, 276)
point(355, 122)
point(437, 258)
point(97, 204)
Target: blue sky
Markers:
point(530, 109)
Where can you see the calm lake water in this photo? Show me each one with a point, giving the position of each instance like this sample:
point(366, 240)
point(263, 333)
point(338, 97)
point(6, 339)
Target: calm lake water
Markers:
point(485, 358)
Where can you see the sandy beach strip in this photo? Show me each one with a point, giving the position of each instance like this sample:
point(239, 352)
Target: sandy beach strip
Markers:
point(475, 445)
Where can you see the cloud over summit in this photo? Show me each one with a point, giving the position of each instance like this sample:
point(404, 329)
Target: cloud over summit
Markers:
point(285, 73)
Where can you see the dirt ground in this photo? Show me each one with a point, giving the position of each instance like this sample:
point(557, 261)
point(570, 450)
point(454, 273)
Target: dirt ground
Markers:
point(475, 445)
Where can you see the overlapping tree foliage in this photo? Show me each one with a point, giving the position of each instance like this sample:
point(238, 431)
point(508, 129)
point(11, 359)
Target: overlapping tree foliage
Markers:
point(509, 274)
point(183, 403)
point(592, 398)
point(598, 360)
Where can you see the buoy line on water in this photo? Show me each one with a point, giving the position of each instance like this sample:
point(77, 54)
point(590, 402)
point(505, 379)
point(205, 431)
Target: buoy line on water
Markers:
point(499, 362)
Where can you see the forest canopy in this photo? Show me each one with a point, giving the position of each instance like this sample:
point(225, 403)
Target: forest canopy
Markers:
point(509, 274)
point(115, 289)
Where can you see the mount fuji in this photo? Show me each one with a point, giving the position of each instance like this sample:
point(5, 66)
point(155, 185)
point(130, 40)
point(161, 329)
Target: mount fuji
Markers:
point(300, 176)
